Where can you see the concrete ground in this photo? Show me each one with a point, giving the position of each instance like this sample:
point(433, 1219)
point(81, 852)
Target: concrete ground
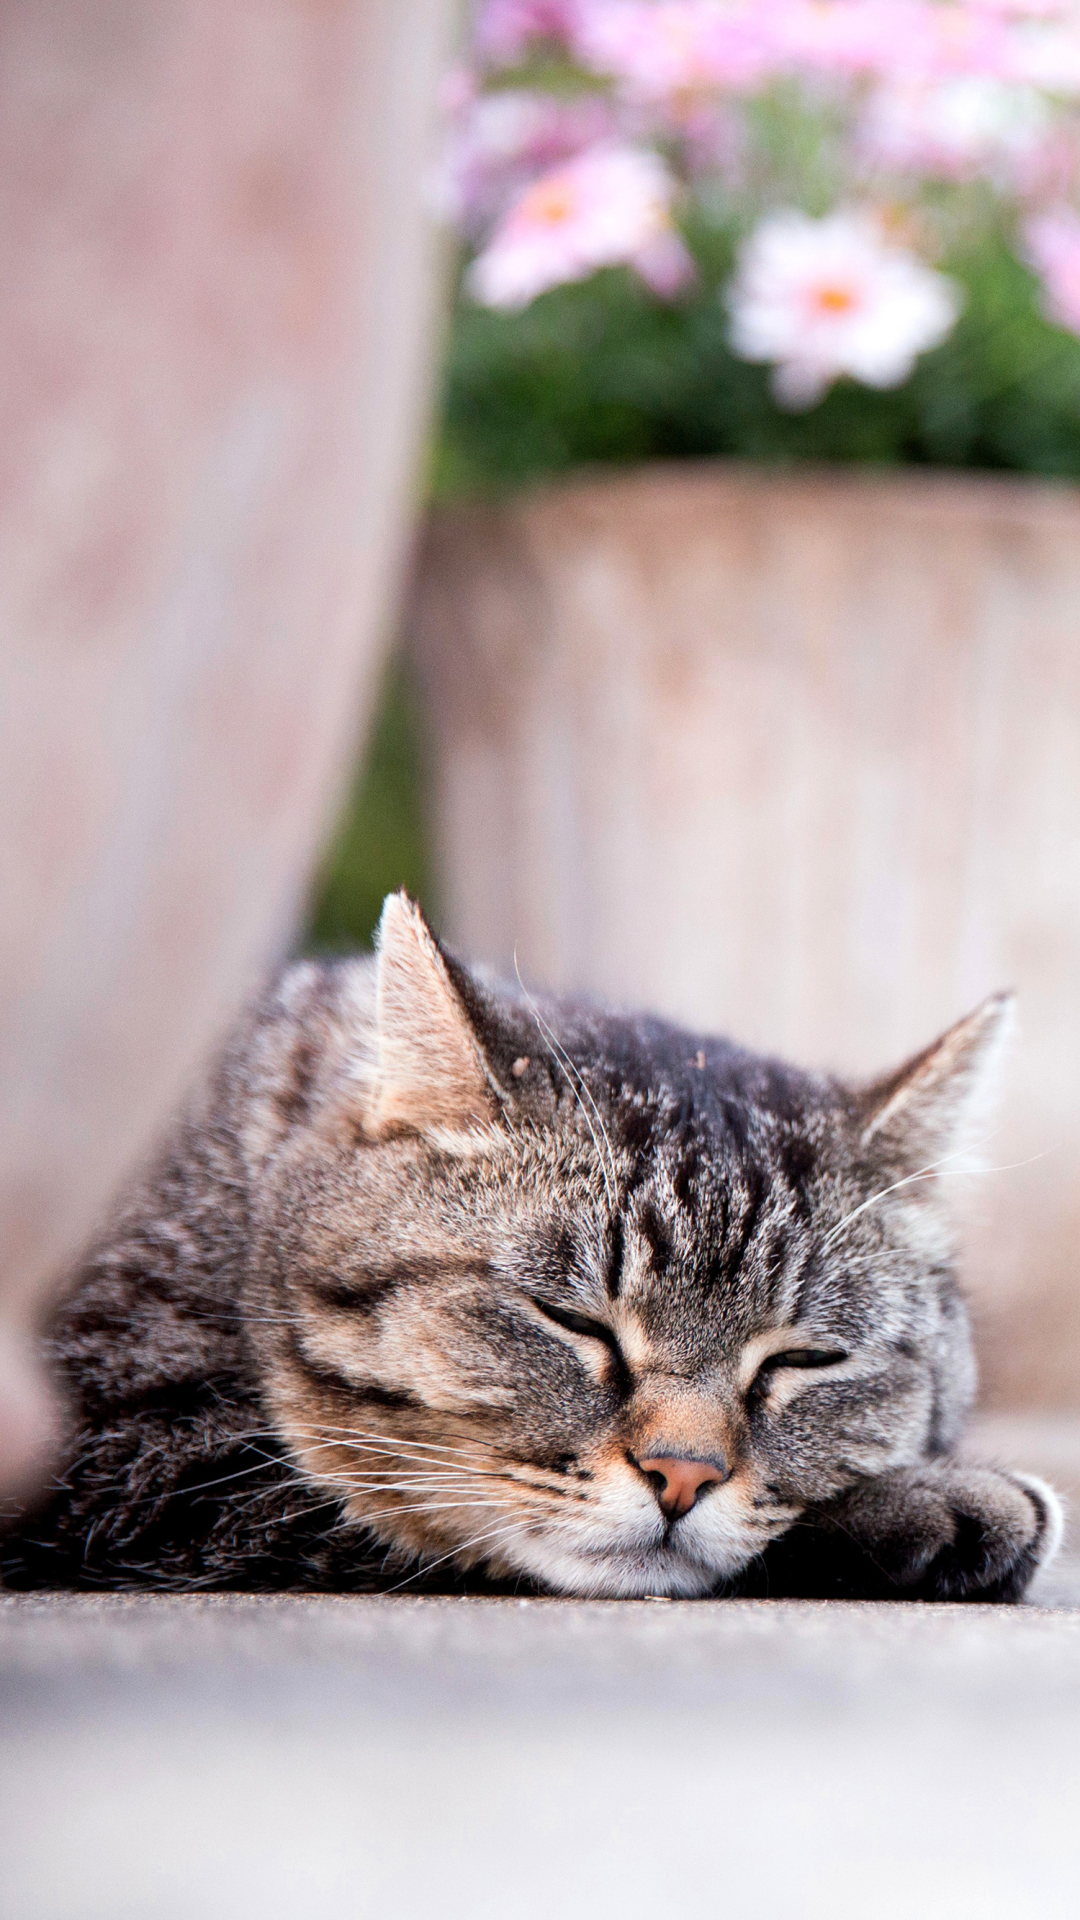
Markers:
point(226, 1756)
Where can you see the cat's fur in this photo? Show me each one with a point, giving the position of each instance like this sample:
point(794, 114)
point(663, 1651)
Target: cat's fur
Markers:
point(426, 1273)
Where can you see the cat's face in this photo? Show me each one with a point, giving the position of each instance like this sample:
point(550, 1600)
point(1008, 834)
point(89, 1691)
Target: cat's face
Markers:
point(611, 1320)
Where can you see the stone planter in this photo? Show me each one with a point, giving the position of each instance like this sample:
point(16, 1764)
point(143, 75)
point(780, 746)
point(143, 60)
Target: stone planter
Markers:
point(796, 757)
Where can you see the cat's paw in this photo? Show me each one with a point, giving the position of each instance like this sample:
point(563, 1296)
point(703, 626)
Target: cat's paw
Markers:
point(944, 1531)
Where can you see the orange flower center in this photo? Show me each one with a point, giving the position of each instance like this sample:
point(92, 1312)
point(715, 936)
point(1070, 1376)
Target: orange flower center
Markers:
point(834, 299)
point(551, 203)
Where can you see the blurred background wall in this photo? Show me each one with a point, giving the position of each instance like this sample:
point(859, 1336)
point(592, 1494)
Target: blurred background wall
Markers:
point(215, 330)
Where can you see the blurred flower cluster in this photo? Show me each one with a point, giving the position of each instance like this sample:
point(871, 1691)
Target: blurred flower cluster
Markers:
point(842, 181)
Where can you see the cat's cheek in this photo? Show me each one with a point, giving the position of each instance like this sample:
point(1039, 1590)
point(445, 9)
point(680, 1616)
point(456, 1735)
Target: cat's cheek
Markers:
point(820, 1441)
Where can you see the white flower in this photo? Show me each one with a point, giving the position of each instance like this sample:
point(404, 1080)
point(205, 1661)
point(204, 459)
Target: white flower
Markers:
point(821, 298)
point(963, 126)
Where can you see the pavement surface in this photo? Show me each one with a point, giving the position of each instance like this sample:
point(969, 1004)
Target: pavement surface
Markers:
point(230, 1756)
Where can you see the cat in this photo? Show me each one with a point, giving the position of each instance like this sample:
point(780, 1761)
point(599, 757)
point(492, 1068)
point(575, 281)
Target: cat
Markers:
point(436, 1288)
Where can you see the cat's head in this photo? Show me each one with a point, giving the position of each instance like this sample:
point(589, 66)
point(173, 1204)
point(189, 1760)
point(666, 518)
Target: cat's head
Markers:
point(587, 1298)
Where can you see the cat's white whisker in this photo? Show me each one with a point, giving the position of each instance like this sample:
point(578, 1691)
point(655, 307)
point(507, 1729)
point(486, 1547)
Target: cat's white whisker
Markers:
point(361, 1483)
point(392, 1442)
point(411, 1463)
point(923, 1173)
point(428, 1566)
point(576, 1082)
point(395, 1512)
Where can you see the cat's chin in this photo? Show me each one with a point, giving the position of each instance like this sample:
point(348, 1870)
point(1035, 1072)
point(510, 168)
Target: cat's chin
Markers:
point(660, 1574)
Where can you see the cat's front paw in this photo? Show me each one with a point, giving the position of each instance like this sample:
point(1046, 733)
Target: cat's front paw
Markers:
point(940, 1531)
point(944, 1531)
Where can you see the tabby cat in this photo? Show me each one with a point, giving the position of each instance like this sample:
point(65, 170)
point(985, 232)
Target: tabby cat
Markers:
point(434, 1287)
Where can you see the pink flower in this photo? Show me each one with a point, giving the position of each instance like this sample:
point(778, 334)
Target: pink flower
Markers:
point(506, 29)
point(502, 140)
point(1052, 245)
point(659, 49)
point(609, 207)
point(844, 36)
point(896, 39)
point(961, 38)
point(821, 298)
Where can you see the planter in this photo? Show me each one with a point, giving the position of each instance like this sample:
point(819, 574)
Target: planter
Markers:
point(795, 757)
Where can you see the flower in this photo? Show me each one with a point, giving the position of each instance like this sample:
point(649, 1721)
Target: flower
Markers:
point(501, 141)
point(1046, 53)
point(821, 298)
point(663, 49)
point(955, 38)
point(1052, 245)
point(843, 36)
point(611, 206)
point(660, 48)
point(959, 128)
point(506, 29)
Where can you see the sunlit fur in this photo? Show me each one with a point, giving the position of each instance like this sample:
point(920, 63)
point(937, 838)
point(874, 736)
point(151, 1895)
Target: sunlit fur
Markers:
point(312, 1349)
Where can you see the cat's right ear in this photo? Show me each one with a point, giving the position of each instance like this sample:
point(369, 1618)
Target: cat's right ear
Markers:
point(936, 1105)
point(430, 1072)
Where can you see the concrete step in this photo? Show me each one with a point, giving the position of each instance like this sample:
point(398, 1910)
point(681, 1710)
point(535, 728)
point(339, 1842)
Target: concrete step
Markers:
point(213, 1758)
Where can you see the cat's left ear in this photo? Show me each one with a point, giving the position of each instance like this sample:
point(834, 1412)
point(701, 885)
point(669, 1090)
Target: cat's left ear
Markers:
point(431, 1074)
point(937, 1104)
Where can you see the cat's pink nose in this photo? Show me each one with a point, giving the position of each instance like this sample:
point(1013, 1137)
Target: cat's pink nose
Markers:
point(677, 1483)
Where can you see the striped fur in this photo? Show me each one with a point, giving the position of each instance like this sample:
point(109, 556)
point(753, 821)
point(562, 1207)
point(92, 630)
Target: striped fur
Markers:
point(426, 1270)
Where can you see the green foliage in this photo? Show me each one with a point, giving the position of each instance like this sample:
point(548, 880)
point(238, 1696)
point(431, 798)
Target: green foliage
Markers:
point(381, 842)
point(604, 372)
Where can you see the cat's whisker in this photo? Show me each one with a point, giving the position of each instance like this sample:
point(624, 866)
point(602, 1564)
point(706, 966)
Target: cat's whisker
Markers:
point(453, 1471)
point(379, 1450)
point(355, 1438)
point(382, 1451)
point(536, 1499)
point(404, 1465)
point(939, 1169)
point(392, 1442)
point(923, 1173)
point(468, 1497)
point(406, 1483)
point(239, 1473)
point(360, 1483)
point(444, 1506)
point(428, 1566)
point(562, 1059)
point(419, 1472)
point(448, 1506)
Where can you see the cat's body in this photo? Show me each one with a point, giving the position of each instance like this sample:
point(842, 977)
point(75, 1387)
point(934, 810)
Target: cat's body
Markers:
point(431, 1286)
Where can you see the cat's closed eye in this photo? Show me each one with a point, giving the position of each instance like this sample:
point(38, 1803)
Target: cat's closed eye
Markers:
point(579, 1323)
point(803, 1359)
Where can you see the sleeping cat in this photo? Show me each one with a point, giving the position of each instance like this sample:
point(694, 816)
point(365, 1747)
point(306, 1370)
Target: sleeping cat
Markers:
point(433, 1287)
